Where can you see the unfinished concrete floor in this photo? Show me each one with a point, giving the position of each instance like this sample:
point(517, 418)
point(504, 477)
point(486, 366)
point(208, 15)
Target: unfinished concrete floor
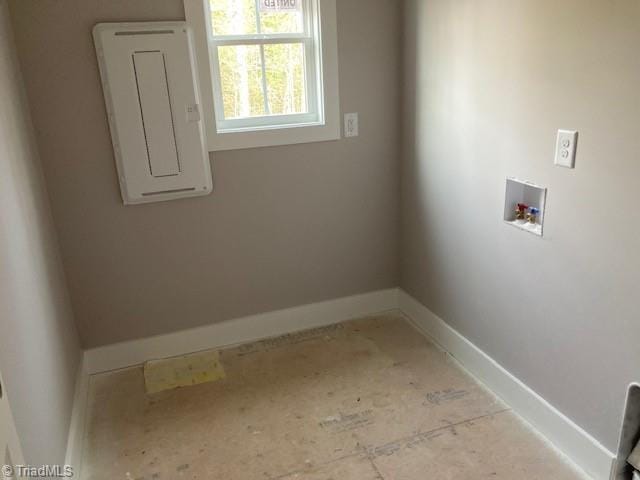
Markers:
point(369, 399)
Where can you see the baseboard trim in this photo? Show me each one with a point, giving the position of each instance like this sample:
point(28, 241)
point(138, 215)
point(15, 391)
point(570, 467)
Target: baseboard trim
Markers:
point(77, 427)
point(580, 447)
point(240, 330)
point(569, 438)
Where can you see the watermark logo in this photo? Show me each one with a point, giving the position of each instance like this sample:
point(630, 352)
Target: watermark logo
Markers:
point(43, 471)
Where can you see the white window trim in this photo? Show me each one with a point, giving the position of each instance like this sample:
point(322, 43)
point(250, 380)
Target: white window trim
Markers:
point(329, 126)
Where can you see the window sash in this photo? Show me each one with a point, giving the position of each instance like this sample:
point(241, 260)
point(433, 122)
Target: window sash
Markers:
point(309, 10)
point(312, 115)
point(313, 81)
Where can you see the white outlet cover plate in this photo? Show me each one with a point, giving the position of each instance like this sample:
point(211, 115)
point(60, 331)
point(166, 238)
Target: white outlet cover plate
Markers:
point(566, 144)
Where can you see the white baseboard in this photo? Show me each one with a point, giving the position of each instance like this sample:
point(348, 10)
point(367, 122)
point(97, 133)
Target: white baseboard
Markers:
point(241, 330)
point(580, 447)
point(77, 427)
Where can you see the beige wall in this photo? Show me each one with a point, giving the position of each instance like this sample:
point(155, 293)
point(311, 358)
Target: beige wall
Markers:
point(488, 84)
point(39, 351)
point(284, 226)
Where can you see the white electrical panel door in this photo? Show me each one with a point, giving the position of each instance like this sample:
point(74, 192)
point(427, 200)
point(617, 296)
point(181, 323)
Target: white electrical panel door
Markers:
point(153, 103)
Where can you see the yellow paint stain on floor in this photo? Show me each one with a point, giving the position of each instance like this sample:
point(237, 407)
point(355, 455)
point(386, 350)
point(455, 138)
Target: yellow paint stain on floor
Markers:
point(185, 371)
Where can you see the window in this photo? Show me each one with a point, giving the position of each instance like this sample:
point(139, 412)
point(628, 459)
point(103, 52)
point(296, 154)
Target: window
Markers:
point(265, 63)
point(268, 70)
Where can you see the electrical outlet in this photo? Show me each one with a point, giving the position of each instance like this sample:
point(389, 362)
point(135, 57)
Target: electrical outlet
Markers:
point(351, 125)
point(566, 144)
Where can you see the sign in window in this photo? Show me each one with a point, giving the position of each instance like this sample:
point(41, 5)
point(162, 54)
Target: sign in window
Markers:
point(280, 5)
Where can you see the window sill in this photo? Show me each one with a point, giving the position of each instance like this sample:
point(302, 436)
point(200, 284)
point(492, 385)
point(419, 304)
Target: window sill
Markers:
point(238, 139)
point(263, 128)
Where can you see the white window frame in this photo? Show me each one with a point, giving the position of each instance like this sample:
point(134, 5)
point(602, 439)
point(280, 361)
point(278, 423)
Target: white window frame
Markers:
point(322, 123)
point(312, 53)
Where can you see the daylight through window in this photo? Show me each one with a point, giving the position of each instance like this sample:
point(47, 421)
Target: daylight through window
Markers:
point(266, 62)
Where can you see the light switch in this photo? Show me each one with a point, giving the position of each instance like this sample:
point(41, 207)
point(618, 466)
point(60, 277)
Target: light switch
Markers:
point(566, 144)
point(351, 125)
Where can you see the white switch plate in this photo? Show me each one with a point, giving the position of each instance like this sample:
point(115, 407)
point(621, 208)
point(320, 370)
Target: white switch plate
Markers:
point(351, 125)
point(566, 144)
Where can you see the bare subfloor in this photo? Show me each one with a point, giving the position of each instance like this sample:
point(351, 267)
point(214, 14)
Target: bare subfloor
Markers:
point(363, 400)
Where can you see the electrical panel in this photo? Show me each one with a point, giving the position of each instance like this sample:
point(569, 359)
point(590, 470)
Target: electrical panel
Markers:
point(149, 79)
